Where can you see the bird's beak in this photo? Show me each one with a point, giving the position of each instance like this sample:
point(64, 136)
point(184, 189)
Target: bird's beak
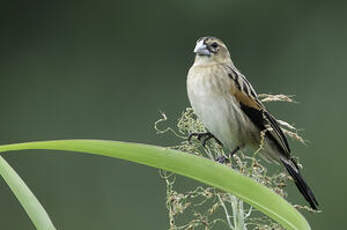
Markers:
point(201, 49)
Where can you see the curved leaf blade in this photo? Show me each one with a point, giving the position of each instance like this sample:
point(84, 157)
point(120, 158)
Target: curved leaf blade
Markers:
point(188, 165)
point(31, 205)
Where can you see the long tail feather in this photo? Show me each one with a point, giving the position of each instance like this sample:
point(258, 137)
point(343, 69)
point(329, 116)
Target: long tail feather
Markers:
point(303, 187)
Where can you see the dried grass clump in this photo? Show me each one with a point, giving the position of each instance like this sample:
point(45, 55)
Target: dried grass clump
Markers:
point(208, 208)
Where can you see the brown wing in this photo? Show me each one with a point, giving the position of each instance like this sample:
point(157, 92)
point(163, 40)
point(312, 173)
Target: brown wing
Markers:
point(255, 110)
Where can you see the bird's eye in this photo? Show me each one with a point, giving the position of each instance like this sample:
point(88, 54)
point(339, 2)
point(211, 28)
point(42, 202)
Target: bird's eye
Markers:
point(214, 44)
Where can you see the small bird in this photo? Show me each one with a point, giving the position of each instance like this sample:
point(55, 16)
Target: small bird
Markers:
point(228, 106)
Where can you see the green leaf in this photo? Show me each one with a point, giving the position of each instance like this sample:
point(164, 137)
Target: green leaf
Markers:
point(198, 168)
point(31, 205)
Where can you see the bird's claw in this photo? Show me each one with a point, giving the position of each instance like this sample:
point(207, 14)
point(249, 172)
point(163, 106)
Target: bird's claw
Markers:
point(222, 159)
point(200, 137)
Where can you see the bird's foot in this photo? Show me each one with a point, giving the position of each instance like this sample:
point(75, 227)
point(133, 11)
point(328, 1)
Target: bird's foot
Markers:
point(203, 137)
point(224, 159)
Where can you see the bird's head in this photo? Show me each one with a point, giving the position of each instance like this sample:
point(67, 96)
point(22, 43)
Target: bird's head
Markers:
point(211, 50)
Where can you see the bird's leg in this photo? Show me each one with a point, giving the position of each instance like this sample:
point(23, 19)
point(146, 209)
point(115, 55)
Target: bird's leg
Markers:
point(234, 151)
point(206, 136)
point(199, 136)
point(209, 137)
point(223, 159)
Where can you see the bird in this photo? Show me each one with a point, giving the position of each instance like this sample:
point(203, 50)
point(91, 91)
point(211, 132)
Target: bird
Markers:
point(229, 108)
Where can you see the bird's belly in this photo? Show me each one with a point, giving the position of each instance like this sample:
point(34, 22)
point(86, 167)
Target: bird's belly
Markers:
point(220, 114)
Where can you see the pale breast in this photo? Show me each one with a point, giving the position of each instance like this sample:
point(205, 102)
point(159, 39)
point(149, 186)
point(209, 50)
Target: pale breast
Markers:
point(209, 94)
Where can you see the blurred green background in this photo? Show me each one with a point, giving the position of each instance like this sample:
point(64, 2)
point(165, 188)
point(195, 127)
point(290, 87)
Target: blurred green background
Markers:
point(104, 69)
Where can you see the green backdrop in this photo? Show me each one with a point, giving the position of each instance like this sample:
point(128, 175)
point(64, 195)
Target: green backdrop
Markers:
point(104, 69)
